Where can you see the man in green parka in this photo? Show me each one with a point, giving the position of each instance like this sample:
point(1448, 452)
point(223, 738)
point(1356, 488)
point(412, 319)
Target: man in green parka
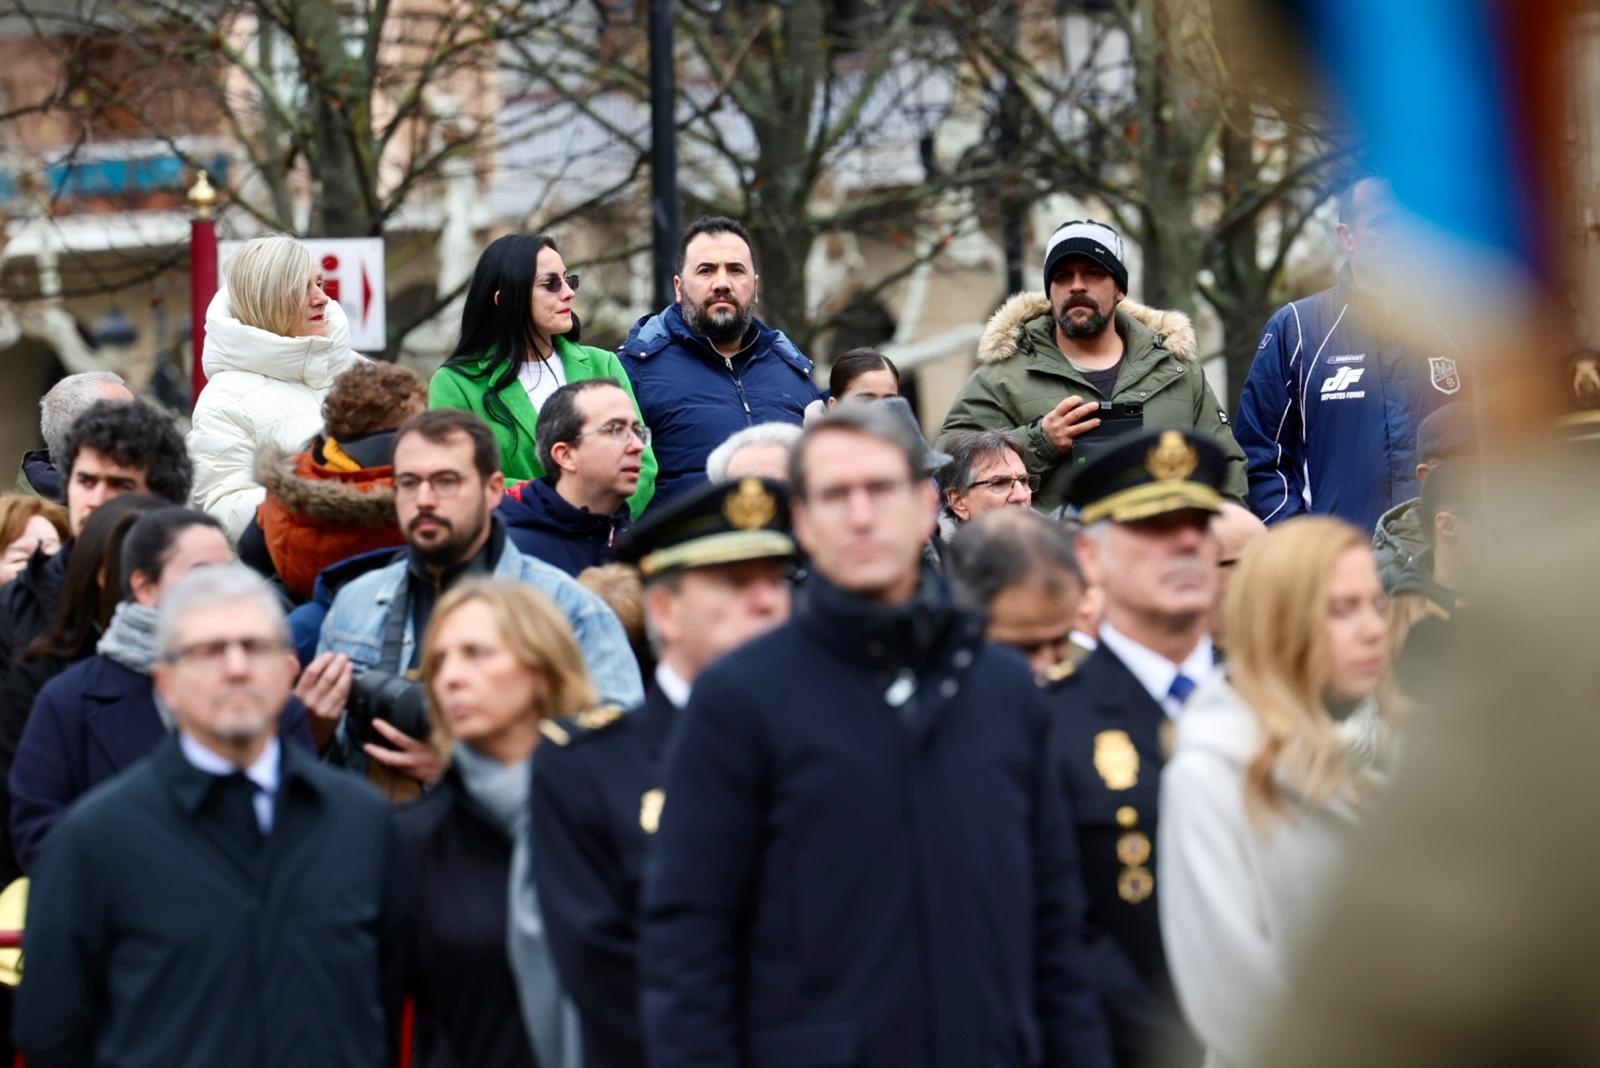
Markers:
point(1048, 360)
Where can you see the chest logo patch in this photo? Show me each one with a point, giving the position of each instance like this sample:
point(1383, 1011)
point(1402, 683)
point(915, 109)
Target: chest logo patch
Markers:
point(650, 806)
point(1443, 373)
point(1116, 760)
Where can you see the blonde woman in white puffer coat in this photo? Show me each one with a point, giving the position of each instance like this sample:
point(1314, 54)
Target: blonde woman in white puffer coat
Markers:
point(274, 344)
point(1272, 769)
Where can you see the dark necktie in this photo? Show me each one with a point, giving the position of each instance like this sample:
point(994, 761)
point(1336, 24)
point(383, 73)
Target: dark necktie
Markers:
point(236, 810)
point(1182, 686)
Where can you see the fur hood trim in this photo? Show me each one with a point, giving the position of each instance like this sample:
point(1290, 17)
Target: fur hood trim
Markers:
point(361, 499)
point(1003, 334)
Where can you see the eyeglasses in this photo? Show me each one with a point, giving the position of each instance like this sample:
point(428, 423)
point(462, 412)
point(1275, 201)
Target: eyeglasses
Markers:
point(210, 654)
point(879, 492)
point(551, 283)
point(619, 432)
point(1002, 484)
point(445, 484)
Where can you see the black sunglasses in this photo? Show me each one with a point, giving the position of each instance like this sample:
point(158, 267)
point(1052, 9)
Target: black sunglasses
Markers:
point(552, 283)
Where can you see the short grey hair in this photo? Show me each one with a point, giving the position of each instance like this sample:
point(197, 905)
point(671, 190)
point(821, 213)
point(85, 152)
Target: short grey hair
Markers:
point(785, 434)
point(1004, 547)
point(970, 449)
point(873, 420)
point(66, 400)
point(207, 586)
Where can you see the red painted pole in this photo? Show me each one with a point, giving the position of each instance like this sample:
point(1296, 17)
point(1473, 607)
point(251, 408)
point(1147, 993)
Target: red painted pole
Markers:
point(202, 272)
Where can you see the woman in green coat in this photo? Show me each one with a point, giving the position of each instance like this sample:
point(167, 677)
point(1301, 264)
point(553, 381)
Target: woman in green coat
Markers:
point(518, 346)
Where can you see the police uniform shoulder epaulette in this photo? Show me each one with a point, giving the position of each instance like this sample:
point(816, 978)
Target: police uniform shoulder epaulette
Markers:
point(1064, 670)
point(569, 730)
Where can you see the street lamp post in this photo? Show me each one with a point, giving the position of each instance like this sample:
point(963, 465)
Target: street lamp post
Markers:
point(665, 209)
point(202, 273)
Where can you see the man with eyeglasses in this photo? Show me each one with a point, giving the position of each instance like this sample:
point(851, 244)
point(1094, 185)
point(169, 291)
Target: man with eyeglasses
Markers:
point(862, 857)
point(447, 484)
point(986, 471)
point(591, 446)
point(1050, 362)
point(228, 900)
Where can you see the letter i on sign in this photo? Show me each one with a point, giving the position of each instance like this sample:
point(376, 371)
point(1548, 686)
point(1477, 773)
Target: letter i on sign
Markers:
point(330, 276)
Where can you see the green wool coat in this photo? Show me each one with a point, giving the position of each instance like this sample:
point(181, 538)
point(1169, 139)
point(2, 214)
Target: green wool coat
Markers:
point(1022, 375)
point(457, 388)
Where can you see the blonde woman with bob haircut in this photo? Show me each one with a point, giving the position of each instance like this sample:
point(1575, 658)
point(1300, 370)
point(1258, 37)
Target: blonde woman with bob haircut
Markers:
point(1272, 763)
point(499, 662)
point(274, 344)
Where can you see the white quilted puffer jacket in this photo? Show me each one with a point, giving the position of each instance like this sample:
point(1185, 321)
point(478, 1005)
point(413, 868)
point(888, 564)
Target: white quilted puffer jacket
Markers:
point(262, 388)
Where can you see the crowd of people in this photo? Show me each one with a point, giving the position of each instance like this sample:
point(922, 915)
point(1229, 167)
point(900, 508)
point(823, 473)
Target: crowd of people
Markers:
point(660, 706)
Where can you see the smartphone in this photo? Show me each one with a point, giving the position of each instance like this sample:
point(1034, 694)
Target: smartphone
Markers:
point(1118, 419)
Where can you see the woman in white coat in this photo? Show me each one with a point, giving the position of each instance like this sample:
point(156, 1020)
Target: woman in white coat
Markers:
point(1266, 783)
point(274, 344)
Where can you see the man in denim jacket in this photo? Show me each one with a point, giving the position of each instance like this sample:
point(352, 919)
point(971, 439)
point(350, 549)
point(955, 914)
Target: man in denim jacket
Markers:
point(447, 483)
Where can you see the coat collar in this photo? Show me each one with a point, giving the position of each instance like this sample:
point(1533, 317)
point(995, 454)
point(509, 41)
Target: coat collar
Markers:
point(232, 345)
point(653, 334)
point(1140, 325)
point(190, 786)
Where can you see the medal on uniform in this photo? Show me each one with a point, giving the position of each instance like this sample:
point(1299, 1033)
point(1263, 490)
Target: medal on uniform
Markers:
point(1135, 885)
point(1133, 849)
point(1116, 759)
point(650, 806)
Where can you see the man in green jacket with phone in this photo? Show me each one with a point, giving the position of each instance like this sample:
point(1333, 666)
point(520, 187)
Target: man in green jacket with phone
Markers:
point(1048, 362)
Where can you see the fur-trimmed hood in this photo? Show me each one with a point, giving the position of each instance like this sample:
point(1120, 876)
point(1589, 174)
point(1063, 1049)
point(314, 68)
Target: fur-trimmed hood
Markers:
point(1003, 334)
point(313, 493)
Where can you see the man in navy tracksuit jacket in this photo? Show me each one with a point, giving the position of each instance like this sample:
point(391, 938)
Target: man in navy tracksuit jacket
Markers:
point(705, 367)
point(1328, 416)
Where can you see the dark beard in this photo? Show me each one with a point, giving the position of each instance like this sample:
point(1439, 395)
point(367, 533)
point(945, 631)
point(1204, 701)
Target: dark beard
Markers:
point(452, 550)
point(1093, 326)
point(722, 330)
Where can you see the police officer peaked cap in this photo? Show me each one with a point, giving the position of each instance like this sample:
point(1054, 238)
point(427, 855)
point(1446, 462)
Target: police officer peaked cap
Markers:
point(1150, 475)
point(712, 524)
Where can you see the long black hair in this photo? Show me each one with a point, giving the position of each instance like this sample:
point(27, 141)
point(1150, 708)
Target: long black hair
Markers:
point(88, 597)
point(507, 268)
point(150, 540)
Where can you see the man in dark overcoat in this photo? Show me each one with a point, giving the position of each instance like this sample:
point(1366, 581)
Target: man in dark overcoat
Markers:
point(863, 857)
point(229, 900)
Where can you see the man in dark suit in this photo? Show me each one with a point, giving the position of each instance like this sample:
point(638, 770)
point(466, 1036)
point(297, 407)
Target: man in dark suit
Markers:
point(1145, 506)
point(862, 858)
point(717, 566)
point(229, 900)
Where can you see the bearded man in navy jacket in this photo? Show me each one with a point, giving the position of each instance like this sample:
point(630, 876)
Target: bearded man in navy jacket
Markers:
point(863, 856)
point(706, 367)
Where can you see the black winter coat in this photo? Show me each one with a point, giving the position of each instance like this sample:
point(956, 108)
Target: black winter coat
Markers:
point(26, 607)
point(458, 866)
point(862, 859)
point(157, 940)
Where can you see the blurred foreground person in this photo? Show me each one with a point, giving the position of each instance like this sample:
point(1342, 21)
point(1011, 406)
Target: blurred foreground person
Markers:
point(499, 661)
point(1018, 568)
point(760, 451)
point(229, 901)
point(1265, 789)
point(1146, 506)
point(862, 857)
point(717, 563)
point(1235, 529)
point(1465, 932)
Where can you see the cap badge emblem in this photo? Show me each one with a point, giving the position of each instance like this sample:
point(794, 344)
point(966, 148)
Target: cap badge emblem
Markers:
point(751, 506)
point(1173, 458)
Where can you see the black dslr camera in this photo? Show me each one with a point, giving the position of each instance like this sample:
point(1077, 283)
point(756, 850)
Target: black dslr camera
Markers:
point(398, 701)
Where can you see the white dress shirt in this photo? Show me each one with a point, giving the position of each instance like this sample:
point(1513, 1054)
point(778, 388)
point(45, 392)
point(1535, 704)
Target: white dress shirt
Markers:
point(671, 685)
point(264, 773)
point(1154, 671)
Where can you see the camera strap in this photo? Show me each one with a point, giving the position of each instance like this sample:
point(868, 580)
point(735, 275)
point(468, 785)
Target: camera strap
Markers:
point(394, 628)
